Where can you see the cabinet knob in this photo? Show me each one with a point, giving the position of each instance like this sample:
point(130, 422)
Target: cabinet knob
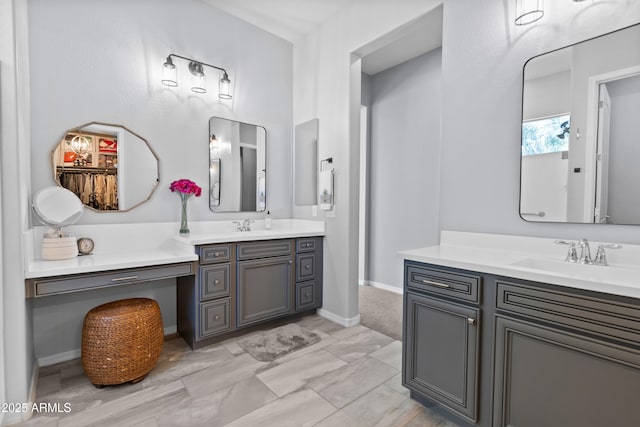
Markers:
point(290, 262)
point(216, 317)
point(308, 266)
point(308, 294)
point(471, 321)
point(215, 282)
point(216, 254)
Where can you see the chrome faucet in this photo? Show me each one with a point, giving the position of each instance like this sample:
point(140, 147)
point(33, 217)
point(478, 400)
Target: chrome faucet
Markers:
point(585, 252)
point(244, 225)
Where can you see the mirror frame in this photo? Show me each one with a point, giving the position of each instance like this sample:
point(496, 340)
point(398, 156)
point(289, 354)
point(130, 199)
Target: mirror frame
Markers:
point(588, 127)
point(217, 174)
point(78, 128)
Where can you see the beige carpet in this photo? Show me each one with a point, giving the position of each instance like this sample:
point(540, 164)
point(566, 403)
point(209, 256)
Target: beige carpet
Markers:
point(381, 310)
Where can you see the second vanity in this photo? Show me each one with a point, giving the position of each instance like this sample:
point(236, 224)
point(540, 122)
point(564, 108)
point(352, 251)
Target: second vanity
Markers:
point(226, 281)
point(501, 332)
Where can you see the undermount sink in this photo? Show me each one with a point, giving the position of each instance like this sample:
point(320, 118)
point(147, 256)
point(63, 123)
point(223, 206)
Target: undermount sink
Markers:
point(599, 273)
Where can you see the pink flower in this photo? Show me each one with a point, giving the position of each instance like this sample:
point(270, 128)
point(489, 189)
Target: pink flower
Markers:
point(186, 186)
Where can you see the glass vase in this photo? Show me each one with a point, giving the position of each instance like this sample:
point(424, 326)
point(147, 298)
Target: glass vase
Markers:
point(184, 227)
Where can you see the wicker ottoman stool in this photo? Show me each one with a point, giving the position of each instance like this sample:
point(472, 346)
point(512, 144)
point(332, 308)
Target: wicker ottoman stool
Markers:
point(121, 341)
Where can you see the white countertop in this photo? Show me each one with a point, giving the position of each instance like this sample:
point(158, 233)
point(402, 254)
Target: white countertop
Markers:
point(535, 259)
point(225, 231)
point(121, 246)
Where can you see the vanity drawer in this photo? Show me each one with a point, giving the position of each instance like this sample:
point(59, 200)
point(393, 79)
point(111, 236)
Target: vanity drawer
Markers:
point(306, 297)
point(214, 281)
point(451, 283)
point(305, 267)
point(306, 245)
point(263, 249)
point(214, 317)
point(600, 316)
point(66, 284)
point(214, 253)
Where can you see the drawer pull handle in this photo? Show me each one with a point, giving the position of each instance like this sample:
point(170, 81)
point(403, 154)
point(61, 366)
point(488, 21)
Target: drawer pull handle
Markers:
point(216, 254)
point(216, 317)
point(439, 285)
point(471, 321)
point(122, 279)
point(308, 266)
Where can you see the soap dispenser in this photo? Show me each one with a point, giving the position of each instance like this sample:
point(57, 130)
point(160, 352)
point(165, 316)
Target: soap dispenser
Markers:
point(267, 221)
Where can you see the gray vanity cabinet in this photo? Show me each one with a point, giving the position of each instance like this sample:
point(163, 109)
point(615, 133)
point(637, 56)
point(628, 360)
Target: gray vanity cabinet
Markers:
point(442, 339)
point(241, 285)
point(206, 306)
point(546, 355)
point(264, 280)
point(308, 293)
point(574, 355)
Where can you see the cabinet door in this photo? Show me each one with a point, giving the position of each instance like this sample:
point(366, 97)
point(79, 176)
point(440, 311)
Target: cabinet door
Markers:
point(547, 377)
point(263, 289)
point(441, 353)
point(305, 267)
point(306, 295)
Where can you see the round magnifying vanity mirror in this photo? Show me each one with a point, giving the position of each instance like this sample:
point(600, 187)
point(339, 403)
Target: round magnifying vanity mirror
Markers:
point(58, 207)
point(109, 167)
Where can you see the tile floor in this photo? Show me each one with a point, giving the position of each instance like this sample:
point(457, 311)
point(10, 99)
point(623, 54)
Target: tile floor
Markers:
point(350, 378)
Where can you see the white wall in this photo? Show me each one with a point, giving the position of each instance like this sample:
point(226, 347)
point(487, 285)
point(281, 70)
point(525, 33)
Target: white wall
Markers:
point(404, 164)
point(97, 60)
point(17, 348)
point(544, 187)
point(483, 55)
point(93, 60)
point(547, 96)
point(326, 77)
point(624, 174)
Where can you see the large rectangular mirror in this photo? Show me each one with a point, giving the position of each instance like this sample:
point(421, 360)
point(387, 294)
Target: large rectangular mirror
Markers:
point(306, 160)
point(237, 166)
point(580, 127)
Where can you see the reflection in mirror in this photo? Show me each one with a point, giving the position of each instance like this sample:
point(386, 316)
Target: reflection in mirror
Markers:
point(237, 166)
point(306, 160)
point(109, 167)
point(580, 112)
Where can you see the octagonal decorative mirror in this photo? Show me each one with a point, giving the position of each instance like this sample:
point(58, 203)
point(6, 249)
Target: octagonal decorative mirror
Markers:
point(109, 167)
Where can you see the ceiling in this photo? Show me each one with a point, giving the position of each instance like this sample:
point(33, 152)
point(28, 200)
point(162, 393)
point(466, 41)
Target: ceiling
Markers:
point(294, 19)
point(289, 19)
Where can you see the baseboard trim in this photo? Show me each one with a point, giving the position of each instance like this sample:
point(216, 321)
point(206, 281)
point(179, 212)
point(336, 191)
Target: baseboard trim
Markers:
point(394, 289)
point(76, 353)
point(346, 322)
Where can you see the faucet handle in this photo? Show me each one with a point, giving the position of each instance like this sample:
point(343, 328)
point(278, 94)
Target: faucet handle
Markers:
point(238, 225)
point(601, 256)
point(572, 254)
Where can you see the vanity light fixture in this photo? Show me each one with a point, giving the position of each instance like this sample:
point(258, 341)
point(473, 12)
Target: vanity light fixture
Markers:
point(169, 76)
point(528, 11)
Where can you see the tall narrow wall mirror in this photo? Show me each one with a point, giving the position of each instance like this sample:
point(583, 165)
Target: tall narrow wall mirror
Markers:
point(237, 166)
point(109, 167)
point(581, 133)
point(306, 161)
